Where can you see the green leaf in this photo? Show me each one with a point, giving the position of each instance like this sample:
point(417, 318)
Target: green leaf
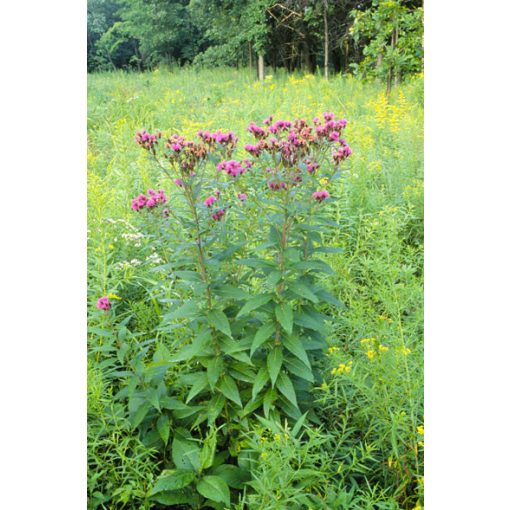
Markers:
point(286, 388)
point(234, 476)
point(188, 310)
point(191, 276)
point(173, 498)
point(173, 479)
point(298, 425)
point(260, 381)
point(163, 426)
point(214, 488)
point(220, 321)
point(140, 414)
point(273, 278)
point(261, 336)
point(295, 346)
point(285, 316)
point(269, 397)
point(274, 363)
point(298, 368)
point(215, 407)
point(199, 385)
point(197, 347)
point(308, 321)
point(185, 454)
point(302, 289)
point(208, 450)
point(214, 370)
point(315, 265)
point(254, 303)
point(229, 388)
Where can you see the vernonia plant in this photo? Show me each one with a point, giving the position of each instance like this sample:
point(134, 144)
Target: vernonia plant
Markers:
point(252, 304)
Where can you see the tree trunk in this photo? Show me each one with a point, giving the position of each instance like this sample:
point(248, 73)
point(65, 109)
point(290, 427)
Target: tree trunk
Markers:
point(326, 41)
point(261, 67)
point(250, 60)
point(389, 82)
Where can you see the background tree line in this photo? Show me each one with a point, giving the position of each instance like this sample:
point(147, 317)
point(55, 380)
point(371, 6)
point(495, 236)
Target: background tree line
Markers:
point(381, 38)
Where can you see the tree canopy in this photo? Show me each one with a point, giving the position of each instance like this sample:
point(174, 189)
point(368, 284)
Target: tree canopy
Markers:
point(372, 38)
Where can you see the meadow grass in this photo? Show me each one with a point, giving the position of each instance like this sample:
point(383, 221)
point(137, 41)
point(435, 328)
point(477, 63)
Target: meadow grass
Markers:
point(367, 450)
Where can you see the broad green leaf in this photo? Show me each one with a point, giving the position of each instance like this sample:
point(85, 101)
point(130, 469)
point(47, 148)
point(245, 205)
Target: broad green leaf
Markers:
point(190, 276)
point(307, 321)
point(214, 488)
point(229, 388)
point(298, 368)
point(254, 303)
point(329, 298)
point(185, 454)
point(273, 278)
point(174, 498)
point(196, 348)
point(199, 385)
point(220, 321)
point(140, 414)
point(215, 407)
point(286, 388)
point(297, 427)
point(208, 450)
point(285, 316)
point(234, 476)
point(260, 381)
point(302, 289)
point(188, 310)
point(315, 265)
point(163, 426)
point(295, 346)
point(269, 397)
point(232, 292)
point(274, 363)
point(261, 336)
point(214, 370)
point(173, 479)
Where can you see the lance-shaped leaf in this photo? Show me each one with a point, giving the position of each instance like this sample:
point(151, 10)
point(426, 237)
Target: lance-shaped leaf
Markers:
point(286, 388)
point(215, 489)
point(285, 316)
point(220, 321)
point(261, 336)
point(274, 363)
point(254, 303)
point(229, 388)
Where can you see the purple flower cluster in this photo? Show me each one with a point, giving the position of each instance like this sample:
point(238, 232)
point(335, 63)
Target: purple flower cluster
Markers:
point(146, 140)
point(155, 198)
point(209, 201)
point(320, 195)
point(103, 303)
point(227, 141)
point(218, 214)
point(233, 168)
point(343, 152)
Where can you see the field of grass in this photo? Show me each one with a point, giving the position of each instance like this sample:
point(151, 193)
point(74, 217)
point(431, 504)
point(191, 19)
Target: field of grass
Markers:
point(365, 449)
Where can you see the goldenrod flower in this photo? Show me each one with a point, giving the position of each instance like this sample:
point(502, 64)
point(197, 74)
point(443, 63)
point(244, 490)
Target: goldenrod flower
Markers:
point(420, 429)
point(277, 437)
point(371, 354)
point(383, 348)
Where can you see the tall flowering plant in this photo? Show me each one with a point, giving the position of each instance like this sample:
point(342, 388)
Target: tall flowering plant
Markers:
point(253, 303)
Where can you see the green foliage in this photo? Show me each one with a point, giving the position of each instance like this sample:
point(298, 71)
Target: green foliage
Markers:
point(393, 40)
point(178, 400)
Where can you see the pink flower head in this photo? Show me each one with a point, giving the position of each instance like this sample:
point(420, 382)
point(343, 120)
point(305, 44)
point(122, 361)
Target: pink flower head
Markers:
point(320, 195)
point(334, 136)
point(242, 196)
point(218, 215)
point(232, 167)
point(328, 116)
point(176, 147)
point(146, 140)
point(257, 131)
point(311, 166)
point(217, 192)
point(103, 303)
point(254, 150)
point(268, 120)
point(342, 153)
point(151, 203)
point(178, 182)
point(209, 201)
point(275, 186)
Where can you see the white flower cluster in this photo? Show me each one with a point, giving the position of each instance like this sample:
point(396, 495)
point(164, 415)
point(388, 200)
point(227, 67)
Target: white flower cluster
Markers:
point(127, 264)
point(134, 237)
point(154, 258)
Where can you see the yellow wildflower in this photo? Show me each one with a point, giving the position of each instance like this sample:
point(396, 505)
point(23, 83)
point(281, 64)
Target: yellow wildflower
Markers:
point(113, 296)
point(383, 348)
point(347, 369)
point(263, 455)
point(277, 437)
point(286, 436)
point(405, 351)
point(370, 354)
point(334, 371)
point(420, 429)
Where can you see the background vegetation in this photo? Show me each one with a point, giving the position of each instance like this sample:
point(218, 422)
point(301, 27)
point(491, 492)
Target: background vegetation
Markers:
point(381, 38)
point(366, 449)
